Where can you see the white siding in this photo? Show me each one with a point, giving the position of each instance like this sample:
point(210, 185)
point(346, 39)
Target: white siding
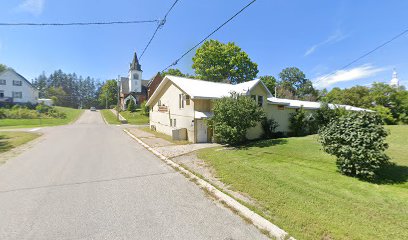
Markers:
point(29, 94)
point(169, 97)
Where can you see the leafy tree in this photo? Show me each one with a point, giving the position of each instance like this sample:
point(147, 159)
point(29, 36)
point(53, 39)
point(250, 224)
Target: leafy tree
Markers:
point(2, 67)
point(385, 114)
point(131, 106)
point(358, 141)
point(300, 122)
point(399, 103)
point(294, 84)
point(233, 116)
point(145, 110)
point(108, 95)
point(381, 94)
point(219, 62)
point(270, 82)
point(59, 96)
point(173, 72)
point(41, 84)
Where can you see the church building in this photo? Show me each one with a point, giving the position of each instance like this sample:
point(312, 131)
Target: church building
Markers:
point(394, 81)
point(133, 88)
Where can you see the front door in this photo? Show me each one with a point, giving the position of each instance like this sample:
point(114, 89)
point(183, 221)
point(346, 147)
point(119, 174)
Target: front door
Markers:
point(201, 131)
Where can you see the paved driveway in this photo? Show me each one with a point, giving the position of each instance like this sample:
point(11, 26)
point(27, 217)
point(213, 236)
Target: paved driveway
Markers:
point(91, 181)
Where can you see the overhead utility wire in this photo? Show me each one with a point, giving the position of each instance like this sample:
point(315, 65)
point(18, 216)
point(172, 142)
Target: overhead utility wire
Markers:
point(160, 25)
point(364, 55)
point(209, 35)
point(79, 23)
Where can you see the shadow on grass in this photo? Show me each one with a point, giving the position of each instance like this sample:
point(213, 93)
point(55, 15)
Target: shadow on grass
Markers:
point(392, 174)
point(262, 143)
point(4, 144)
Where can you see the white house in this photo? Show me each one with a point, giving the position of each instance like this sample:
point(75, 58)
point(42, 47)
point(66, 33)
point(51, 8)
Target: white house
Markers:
point(179, 106)
point(14, 88)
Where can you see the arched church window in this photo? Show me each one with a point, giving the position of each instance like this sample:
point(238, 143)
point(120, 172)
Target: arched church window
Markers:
point(135, 76)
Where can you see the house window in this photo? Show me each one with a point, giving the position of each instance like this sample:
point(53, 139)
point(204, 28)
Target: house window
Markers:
point(181, 101)
point(17, 94)
point(2, 81)
point(253, 97)
point(187, 99)
point(17, 83)
point(171, 122)
point(159, 103)
point(260, 101)
point(281, 107)
point(1, 94)
point(174, 123)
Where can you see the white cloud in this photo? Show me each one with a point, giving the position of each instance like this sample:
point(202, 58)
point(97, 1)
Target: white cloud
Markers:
point(34, 7)
point(361, 72)
point(337, 36)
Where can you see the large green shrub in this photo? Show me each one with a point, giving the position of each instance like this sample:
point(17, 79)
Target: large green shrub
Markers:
point(131, 106)
point(269, 128)
point(358, 141)
point(144, 109)
point(233, 116)
point(301, 123)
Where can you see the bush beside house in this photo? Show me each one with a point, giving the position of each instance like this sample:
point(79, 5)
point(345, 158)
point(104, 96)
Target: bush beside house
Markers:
point(233, 116)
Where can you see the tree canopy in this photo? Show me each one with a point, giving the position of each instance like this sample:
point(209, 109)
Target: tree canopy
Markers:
point(2, 67)
point(108, 93)
point(219, 62)
point(69, 89)
point(294, 84)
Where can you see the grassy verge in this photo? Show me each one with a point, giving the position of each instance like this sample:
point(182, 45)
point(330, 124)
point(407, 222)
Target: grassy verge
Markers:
point(72, 115)
point(135, 118)
point(297, 187)
point(164, 136)
point(10, 140)
point(109, 116)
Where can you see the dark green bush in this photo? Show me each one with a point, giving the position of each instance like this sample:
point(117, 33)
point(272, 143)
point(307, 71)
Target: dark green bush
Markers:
point(131, 106)
point(145, 110)
point(269, 128)
point(233, 116)
point(300, 123)
point(358, 141)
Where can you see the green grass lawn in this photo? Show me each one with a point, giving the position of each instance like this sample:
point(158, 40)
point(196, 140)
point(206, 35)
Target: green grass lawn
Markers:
point(109, 116)
point(135, 118)
point(10, 140)
point(296, 186)
point(72, 115)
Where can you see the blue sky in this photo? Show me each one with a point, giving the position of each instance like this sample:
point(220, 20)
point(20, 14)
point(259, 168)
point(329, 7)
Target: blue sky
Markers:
point(319, 37)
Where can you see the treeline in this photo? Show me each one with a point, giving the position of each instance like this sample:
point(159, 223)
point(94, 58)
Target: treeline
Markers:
point(68, 89)
point(390, 103)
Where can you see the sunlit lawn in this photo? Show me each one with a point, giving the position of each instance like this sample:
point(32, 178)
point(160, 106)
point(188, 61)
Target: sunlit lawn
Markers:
point(135, 118)
point(297, 187)
point(10, 140)
point(109, 116)
point(72, 115)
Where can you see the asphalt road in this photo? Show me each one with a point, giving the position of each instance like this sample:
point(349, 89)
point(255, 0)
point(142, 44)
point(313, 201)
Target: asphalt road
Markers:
point(89, 180)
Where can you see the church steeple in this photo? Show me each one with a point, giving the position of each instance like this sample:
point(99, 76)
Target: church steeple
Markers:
point(135, 64)
point(394, 81)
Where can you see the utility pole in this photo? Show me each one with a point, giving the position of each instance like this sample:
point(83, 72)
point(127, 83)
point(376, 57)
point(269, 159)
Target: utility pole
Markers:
point(118, 104)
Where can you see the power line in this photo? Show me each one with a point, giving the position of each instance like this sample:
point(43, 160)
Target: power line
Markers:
point(209, 35)
point(364, 55)
point(79, 23)
point(159, 25)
